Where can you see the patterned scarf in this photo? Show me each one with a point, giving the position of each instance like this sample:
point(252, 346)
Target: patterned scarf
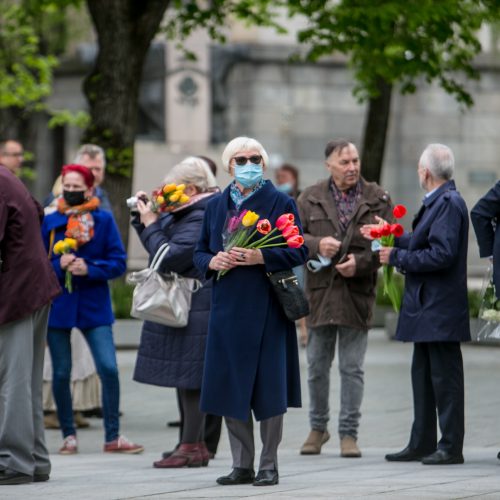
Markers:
point(238, 197)
point(80, 221)
point(346, 202)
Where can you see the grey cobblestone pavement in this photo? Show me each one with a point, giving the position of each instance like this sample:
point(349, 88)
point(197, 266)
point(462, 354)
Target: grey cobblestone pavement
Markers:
point(385, 426)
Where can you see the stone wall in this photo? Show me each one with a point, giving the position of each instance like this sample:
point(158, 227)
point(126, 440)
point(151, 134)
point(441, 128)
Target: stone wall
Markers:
point(294, 109)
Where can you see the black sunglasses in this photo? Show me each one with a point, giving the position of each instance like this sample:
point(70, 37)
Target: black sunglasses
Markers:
point(242, 160)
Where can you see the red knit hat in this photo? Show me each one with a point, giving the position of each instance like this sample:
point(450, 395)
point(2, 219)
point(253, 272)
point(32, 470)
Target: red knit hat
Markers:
point(85, 172)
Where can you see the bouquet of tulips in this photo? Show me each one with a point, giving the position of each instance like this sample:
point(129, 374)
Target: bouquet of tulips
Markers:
point(65, 246)
point(241, 228)
point(168, 198)
point(384, 236)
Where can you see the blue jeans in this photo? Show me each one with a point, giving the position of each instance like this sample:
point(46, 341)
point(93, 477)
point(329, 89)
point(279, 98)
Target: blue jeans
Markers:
point(102, 347)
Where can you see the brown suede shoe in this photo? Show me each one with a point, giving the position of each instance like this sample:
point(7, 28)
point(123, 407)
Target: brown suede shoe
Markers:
point(349, 448)
point(314, 442)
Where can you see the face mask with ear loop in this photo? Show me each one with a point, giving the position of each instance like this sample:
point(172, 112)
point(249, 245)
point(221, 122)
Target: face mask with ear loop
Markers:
point(248, 175)
point(73, 198)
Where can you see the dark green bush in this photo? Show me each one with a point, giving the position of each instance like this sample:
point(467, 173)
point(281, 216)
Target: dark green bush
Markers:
point(121, 297)
point(474, 303)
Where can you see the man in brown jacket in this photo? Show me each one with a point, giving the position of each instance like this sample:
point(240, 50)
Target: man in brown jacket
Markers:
point(27, 286)
point(341, 279)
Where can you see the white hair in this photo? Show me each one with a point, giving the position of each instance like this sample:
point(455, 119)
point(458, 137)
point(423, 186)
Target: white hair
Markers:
point(92, 151)
point(439, 160)
point(192, 170)
point(240, 145)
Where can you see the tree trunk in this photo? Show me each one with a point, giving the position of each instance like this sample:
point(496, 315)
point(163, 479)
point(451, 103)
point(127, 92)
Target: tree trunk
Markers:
point(125, 29)
point(375, 132)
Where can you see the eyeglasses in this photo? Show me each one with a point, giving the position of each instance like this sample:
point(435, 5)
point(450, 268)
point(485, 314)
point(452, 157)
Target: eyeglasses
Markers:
point(242, 160)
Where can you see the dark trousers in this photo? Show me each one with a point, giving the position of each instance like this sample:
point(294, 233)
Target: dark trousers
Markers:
point(212, 427)
point(437, 377)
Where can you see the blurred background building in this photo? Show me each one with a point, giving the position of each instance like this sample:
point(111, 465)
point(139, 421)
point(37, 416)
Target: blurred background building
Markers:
point(249, 86)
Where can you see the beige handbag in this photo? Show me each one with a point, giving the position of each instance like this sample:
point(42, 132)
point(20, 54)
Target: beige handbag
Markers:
point(162, 298)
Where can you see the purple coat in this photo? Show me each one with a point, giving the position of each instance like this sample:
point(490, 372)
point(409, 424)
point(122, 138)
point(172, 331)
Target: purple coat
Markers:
point(27, 281)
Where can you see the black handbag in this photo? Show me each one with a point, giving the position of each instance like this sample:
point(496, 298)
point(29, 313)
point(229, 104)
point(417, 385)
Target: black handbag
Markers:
point(290, 295)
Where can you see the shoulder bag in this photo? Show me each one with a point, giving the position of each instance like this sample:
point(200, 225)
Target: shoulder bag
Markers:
point(162, 298)
point(290, 295)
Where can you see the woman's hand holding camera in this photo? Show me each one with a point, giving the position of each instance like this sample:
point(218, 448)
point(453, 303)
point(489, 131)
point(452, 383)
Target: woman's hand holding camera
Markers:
point(148, 217)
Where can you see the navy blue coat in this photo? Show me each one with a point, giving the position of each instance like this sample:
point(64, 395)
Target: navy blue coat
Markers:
point(89, 305)
point(434, 259)
point(174, 357)
point(252, 358)
point(485, 218)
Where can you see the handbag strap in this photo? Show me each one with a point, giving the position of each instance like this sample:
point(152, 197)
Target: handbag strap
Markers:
point(159, 256)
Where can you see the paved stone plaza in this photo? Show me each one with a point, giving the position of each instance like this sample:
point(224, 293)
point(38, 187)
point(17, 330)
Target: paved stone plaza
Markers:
point(385, 426)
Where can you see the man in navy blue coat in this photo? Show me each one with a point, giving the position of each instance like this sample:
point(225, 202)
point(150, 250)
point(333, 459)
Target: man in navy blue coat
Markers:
point(434, 314)
point(485, 218)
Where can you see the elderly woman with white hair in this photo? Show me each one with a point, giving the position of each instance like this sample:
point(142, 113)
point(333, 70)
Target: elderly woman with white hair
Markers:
point(168, 356)
point(251, 363)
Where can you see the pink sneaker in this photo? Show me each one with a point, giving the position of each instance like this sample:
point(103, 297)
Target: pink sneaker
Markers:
point(70, 445)
point(123, 445)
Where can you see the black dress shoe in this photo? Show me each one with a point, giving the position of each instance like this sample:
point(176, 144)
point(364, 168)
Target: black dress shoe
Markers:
point(237, 476)
point(40, 478)
point(442, 457)
point(406, 455)
point(14, 478)
point(266, 478)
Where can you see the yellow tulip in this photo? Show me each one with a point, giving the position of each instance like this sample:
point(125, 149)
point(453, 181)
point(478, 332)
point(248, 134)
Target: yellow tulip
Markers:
point(184, 198)
point(160, 200)
point(181, 187)
point(57, 247)
point(72, 243)
point(250, 218)
point(174, 197)
point(168, 188)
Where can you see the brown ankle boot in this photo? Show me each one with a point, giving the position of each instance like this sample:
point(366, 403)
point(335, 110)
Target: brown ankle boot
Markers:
point(187, 455)
point(314, 442)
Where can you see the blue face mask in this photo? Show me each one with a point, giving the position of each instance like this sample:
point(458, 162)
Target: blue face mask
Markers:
point(285, 187)
point(248, 175)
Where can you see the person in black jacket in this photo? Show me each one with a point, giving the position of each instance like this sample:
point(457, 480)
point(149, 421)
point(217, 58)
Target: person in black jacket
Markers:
point(174, 357)
point(485, 217)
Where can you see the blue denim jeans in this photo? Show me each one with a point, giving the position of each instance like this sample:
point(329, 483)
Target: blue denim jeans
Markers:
point(102, 347)
point(352, 345)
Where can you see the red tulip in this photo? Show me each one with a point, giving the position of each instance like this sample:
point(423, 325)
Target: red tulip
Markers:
point(263, 226)
point(290, 231)
point(385, 230)
point(375, 233)
point(295, 241)
point(397, 230)
point(285, 220)
point(399, 211)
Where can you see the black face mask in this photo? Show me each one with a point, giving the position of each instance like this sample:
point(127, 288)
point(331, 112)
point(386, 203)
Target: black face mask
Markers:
point(73, 198)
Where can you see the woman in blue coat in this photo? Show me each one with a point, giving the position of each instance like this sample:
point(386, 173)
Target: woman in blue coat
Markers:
point(99, 257)
point(252, 359)
point(168, 356)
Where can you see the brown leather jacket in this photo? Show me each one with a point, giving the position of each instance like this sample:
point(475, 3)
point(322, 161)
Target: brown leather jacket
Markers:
point(335, 300)
point(27, 281)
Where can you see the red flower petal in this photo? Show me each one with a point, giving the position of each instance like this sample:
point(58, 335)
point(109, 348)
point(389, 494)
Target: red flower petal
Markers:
point(399, 211)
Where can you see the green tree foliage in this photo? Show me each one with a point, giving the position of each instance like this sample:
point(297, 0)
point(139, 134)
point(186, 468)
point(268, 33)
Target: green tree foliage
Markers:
point(25, 73)
point(396, 44)
point(398, 41)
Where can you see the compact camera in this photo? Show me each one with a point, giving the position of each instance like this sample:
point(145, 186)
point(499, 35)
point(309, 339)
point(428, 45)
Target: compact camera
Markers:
point(132, 201)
